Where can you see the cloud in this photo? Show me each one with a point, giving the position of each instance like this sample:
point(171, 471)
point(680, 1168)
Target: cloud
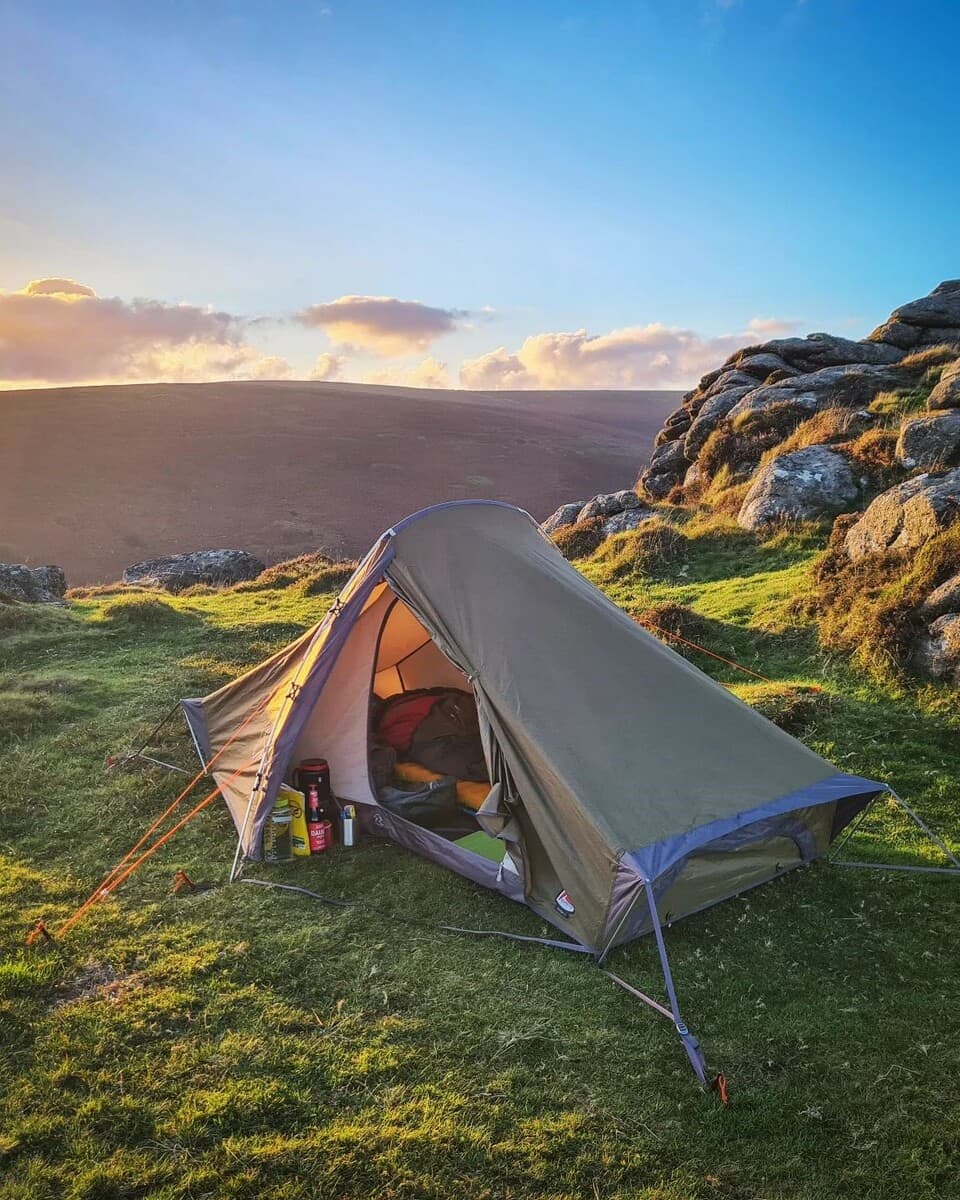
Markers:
point(772, 327)
point(57, 287)
point(426, 374)
point(57, 330)
point(327, 366)
point(269, 366)
point(381, 324)
point(640, 356)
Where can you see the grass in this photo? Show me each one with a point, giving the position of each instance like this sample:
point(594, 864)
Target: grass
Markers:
point(579, 539)
point(242, 1043)
point(870, 607)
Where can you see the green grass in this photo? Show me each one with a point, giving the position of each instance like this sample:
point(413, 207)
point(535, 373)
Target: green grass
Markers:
point(242, 1043)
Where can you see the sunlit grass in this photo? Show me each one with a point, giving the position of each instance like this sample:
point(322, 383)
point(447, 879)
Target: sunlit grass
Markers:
point(243, 1043)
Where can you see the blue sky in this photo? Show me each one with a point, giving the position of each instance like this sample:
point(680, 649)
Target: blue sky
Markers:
point(533, 168)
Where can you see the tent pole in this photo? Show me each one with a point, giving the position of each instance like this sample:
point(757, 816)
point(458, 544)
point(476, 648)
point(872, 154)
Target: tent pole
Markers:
point(871, 866)
point(196, 746)
point(243, 829)
point(850, 829)
point(918, 820)
point(690, 1043)
point(920, 823)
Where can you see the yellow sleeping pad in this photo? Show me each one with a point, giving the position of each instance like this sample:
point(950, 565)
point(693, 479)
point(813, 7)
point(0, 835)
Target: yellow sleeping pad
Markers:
point(470, 795)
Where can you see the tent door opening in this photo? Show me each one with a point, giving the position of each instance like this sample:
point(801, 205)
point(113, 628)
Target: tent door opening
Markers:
point(426, 760)
point(390, 654)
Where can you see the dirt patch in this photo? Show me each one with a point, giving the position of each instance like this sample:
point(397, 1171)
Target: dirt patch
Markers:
point(99, 981)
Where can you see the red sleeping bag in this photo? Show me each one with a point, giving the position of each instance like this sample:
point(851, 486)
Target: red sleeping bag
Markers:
point(402, 717)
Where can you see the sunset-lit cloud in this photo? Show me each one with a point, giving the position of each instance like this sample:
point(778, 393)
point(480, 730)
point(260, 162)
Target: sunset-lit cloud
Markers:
point(426, 374)
point(57, 287)
point(328, 366)
point(383, 325)
point(57, 330)
point(772, 327)
point(640, 356)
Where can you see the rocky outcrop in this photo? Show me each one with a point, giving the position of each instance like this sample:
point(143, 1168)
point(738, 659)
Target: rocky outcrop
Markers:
point(942, 600)
point(930, 442)
point(818, 350)
point(668, 465)
point(174, 572)
point(842, 387)
point(904, 517)
point(803, 485)
point(709, 417)
point(623, 522)
point(937, 651)
point(603, 516)
point(947, 392)
point(32, 585)
point(938, 311)
point(608, 504)
point(786, 380)
point(566, 514)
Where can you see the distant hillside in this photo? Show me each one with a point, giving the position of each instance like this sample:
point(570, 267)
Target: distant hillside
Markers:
point(95, 478)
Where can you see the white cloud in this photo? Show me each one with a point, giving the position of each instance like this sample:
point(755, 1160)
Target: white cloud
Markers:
point(383, 325)
point(426, 374)
point(327, 366)
point(57, 330)
point(639, 356)
point(772, 327)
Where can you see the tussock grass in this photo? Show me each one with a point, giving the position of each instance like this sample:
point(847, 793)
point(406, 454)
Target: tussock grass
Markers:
point(675, 618)
point(931, 356)
point(328, 578)
point(98, 590)
point(140, 613)
point(317, 573)
point(778, 419)
point(17, 618)
point(653, 547)
point(869, 608)
point(825, 427)
point(799, 710)
point(579, 540)
point(899, 404)
point(240, 1043)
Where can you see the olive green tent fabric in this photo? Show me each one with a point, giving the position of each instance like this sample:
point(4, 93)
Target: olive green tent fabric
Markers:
point(601, 740)
point(613, 731)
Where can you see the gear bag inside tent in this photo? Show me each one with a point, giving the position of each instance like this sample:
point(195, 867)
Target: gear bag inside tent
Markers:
point(619, 788)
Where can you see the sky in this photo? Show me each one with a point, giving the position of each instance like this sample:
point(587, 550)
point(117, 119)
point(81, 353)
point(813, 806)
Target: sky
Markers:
point(540, 193)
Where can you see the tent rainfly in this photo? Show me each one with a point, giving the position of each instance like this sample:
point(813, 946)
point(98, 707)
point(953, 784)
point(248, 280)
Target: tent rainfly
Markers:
point(627, 789)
